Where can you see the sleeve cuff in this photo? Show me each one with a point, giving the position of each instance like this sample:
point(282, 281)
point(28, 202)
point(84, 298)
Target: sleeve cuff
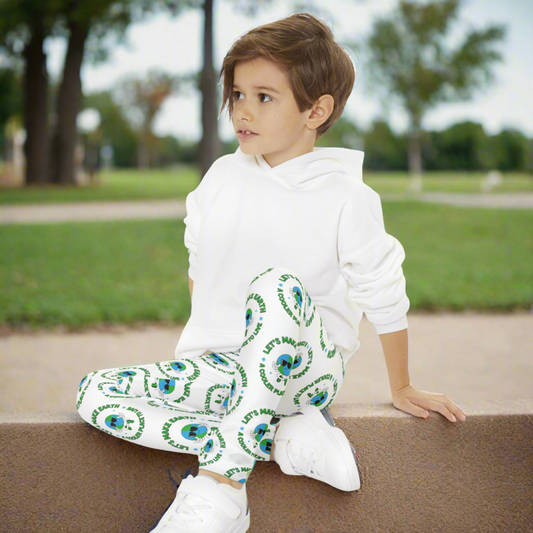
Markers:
point(192, 272)
point(398, 325)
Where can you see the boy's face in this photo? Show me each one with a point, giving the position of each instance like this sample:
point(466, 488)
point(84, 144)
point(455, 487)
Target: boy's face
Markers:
point(282, 131)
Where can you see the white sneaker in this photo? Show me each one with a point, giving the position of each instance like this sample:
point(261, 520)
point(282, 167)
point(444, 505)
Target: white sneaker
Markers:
point(307, 444)
point(204, 505)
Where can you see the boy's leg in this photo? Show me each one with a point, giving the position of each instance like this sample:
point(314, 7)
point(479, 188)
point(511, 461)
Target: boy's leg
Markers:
point(174, 405)
point(278, 313)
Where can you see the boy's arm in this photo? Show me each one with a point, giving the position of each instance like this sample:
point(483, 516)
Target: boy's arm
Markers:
point(395, 349)
point(191, 284)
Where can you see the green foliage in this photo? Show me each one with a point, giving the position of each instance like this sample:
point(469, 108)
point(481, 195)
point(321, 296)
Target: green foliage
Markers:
point(410, 61)
point(466, 146)
point(384, 150)
point(343, 133)
point(115, 130)
point(515, 150)
point(459, 147)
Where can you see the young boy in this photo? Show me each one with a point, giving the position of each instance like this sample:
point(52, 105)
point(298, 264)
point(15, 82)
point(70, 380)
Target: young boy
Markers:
point(286, 244)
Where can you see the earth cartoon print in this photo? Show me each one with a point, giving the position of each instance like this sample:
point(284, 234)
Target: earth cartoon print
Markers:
point(280, 359)
point(179, 369)
point(125, 380)
point(212, 450)
point(119, 420)
point(82, 388)
point(293, 297)
point(255, 435)
point(219, 362)
point(319, 393)
point(318, 397)
point(195, 431)
point(259, 433)
point(217, 398)
point(238, 387)
point(182, 433)
point(239, 473)
point(254, 317)
point(285, 364)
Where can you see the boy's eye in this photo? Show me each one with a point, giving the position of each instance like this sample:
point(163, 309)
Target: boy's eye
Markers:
point(235, 93)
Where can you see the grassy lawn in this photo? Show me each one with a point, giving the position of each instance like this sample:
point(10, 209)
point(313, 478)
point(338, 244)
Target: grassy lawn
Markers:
point(84, 274)
point(176, 183)
point(114, 185)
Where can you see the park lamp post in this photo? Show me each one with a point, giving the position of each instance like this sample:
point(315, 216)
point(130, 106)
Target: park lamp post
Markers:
point(88, 122)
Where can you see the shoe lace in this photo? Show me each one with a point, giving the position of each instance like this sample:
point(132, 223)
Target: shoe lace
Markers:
point(304, 459)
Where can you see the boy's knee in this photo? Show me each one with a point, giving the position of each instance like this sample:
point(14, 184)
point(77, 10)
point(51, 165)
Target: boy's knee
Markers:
point(273, 274)
point(81, 397)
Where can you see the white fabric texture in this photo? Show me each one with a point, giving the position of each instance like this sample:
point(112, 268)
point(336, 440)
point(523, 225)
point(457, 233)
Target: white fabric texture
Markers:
point(312, 214)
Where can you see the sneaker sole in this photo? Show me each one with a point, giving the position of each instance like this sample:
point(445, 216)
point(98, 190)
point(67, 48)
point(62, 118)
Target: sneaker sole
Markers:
point(343, 444)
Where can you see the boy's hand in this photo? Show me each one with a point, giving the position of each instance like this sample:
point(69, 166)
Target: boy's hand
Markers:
point(415, 402)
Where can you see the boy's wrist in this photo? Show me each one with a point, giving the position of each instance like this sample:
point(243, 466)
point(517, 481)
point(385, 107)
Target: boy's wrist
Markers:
point(395, 350)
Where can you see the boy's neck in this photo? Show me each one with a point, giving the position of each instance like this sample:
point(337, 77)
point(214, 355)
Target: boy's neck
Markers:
point(282, 156)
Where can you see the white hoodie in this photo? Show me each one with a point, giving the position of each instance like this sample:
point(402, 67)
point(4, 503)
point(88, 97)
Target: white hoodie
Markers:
point(313, 215)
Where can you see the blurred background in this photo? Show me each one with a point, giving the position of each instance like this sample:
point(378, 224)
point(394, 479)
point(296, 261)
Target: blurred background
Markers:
point(118, 100)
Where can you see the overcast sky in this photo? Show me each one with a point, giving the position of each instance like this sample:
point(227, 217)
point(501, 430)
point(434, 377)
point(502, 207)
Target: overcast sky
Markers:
point(175, 45)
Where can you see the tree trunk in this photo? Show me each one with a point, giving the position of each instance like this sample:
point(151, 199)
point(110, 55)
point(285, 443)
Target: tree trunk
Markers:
point(68, 105)
point(143, 150)
point(210, 146)
point(35, 107)
point(415, 157)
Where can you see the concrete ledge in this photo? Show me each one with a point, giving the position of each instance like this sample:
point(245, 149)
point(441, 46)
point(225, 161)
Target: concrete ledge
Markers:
point(59, 474)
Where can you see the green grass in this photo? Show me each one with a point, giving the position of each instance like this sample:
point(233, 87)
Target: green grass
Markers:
point(176, 183)
point(114, 185)
point(449, 182)
point(91, 273)
point(84, 274)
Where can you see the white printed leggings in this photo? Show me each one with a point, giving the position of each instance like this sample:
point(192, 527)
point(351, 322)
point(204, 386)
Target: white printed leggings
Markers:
point(224, 407)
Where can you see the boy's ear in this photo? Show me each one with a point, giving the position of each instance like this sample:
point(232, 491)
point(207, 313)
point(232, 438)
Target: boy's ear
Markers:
point(321, 110)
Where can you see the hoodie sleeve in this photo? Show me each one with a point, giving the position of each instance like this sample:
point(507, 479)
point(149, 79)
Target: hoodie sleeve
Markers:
point(192, 228)
point(370, 260)
point(194, 204)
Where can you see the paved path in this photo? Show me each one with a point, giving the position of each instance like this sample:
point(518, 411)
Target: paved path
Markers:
point(498, 201)
point(468, 357)
point(149, 209)
point(83, 211)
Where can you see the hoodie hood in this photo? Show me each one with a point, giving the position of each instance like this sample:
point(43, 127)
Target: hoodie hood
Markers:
point(299, 170)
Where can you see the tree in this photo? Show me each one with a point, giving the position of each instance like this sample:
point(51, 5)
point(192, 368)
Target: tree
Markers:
point(10, 102)
point(514, 150)
point(410, 63)
point(142, 99)
point(461, 146)
point(384, 150)
point(24, 26)
point(115, 129)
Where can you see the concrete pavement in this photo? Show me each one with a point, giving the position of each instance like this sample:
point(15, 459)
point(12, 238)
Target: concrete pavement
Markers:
point(468, 357)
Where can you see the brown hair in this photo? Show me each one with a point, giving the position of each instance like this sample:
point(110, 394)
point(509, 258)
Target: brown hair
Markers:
point(303, 47)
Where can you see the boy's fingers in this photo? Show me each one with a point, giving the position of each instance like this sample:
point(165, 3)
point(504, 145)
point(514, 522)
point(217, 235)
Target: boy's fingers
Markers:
point(444, 411)
point(457, 410)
